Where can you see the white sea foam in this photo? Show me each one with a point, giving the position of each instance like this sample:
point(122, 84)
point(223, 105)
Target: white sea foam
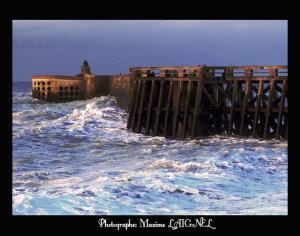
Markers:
point(80, 156)
point(224, 164)
point(273, 159)
point(178, 166)
point(102, 179)
point(70, 210)
point(273, 210)
point(246, 167)
point(17, 199)
point(62, 182)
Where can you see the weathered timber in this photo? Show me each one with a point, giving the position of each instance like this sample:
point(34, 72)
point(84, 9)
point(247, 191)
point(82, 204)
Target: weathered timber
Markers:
point(245, 102)
point(150, 107)
point(269, 106)
point(168, 109)
point(133, 105)
point(175, 115)
point(158, 109)
point(257, 107)
point(195, 101)
point(233, 102)
point(281, 104)
point(138, 128)
point(186, 107)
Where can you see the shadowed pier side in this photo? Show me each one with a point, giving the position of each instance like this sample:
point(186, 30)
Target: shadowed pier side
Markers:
point(195, 101)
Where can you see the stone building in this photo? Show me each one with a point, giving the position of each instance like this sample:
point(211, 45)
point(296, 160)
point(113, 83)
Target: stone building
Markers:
point(85, 85)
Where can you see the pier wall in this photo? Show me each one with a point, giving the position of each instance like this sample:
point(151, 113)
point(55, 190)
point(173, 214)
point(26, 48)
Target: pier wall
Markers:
point(183, 102)
point(85, 85)
point(121, 87)
point(55, 88)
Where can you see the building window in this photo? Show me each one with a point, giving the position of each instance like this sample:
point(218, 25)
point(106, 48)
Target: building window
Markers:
point(48, 88)
point(66, 88)
point(43, 88)
point(71, 88)
point(48, 83)
point(76, 88)
point(60, 88)
point(38, 83)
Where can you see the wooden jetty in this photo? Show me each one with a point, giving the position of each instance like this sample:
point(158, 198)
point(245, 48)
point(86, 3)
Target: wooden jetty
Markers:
point(195, 101)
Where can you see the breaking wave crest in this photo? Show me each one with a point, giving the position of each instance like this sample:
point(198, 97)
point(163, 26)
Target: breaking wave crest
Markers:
point(178, 166)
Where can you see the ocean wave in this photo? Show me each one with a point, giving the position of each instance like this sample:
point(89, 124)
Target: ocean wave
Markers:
point(79, 158)
point(273, 159)
point(179, 166)
point(96, 113)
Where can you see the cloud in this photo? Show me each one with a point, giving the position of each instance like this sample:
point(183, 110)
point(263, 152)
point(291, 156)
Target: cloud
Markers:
point(51, 43)
point(35, 28)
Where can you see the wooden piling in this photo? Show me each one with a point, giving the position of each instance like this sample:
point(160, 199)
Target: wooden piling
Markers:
point(150, 107)
point(257, 107)
point(233, 101)
point(158, 109)
point(134, 105)
point(187, 102)
point(245, 103)
point(175, 115)
point(168, 108)
point(138, 129)
point(197, 105)
point(269, 107)
point(281, 106)
point(192, 101)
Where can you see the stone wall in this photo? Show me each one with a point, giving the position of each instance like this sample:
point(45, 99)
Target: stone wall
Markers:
point(58, 88)
point(68, 88)
point(121, 87)
point(102, 83)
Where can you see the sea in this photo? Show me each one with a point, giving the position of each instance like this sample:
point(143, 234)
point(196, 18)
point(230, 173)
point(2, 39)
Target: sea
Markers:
point(78, 158)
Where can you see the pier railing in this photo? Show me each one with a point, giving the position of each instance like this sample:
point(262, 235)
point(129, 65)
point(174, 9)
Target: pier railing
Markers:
point(193, 101)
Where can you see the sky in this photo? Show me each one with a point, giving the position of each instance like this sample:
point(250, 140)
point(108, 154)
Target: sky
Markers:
point(58, 47)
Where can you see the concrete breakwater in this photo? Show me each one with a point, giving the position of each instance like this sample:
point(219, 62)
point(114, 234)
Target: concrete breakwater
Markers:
point(85, 85)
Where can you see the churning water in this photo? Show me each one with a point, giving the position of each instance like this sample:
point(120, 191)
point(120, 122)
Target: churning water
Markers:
point(78, 158)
